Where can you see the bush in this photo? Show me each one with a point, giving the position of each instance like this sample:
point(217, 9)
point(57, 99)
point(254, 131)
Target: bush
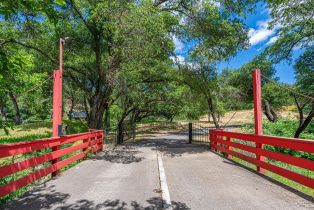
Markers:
point(285, 127)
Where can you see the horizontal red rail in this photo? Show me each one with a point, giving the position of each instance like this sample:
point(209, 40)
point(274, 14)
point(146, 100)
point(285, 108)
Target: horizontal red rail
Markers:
point(91, 141)
point(19, 166)
point(289, 143)
point(219, 144)
point(303, 163)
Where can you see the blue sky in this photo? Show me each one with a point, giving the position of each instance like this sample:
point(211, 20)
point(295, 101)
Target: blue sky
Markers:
point(260, 37)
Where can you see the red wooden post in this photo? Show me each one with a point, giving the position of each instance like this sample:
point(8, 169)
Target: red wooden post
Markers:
point(57, 95)
point(61, 43)
point(229, 147)
point(101, 144)
point(54, 161)
point(85, 151)
point(258, 114)
point(57, 104)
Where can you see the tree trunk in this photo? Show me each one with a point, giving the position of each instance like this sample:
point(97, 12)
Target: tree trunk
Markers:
point(120, 135)
point(304, 122)
point(16, 109)
point(215, 120)
point(3, 112)
point(208, 116)
point(98, 105)
point(212, 111)
point(269, 112)
point(95, 120)
point(71, 107)
point(107, 119)
point(133, 125)
point(2, 109)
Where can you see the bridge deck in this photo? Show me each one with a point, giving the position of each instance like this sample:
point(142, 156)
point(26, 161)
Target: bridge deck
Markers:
point(128, 178)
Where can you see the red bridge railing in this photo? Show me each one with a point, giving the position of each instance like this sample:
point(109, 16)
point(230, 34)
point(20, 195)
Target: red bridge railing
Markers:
point(58, 152)
point(243, 146)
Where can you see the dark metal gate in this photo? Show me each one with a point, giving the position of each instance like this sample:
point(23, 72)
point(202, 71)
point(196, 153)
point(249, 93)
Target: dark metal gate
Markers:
point(199, 133)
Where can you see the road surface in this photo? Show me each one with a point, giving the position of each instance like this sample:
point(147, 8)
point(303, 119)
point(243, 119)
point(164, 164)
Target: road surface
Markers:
point(128, 177)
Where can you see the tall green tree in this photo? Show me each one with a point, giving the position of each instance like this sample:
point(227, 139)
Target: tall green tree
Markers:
point(16, 76)
point(305, 85)
point(293, 22)
point(203, 81)
point(237, 85)
point(105, 36)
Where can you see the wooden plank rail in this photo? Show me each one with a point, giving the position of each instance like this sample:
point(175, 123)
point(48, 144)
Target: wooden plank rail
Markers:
point(223, 141)
point(80, 145)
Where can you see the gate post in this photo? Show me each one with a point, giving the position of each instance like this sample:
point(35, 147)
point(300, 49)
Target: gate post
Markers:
point(57, 95)
point(57, 104)
point(190, 133)
point(258, 114)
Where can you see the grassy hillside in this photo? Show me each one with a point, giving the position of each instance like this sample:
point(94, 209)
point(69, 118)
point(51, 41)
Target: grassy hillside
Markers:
point(38, 130)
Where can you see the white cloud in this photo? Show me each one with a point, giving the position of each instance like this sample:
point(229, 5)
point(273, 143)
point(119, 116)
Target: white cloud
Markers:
point(260, 34)
point(178, 44)
point(181, 59)
point(178, 58)
point(272, 40)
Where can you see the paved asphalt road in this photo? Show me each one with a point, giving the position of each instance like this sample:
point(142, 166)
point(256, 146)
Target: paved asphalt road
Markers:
point(128, 178)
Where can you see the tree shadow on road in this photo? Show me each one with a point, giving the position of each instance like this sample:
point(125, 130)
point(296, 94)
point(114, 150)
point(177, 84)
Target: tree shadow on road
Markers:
point(173, 146)
point(153, 204)
point(48, 198)
point(121, 154)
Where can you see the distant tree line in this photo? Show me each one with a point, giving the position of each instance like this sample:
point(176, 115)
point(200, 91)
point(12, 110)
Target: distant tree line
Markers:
point(120, 59)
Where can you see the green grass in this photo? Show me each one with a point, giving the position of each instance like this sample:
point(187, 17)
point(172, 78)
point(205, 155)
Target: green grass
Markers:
point(38, 130)
point(284, 127)
point(26, 132)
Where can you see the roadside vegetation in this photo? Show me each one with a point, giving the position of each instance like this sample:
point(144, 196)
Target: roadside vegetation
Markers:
point(123, 73)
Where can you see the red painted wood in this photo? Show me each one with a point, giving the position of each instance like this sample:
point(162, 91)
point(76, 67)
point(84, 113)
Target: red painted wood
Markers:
point(72, 139)
point(19, 166)
point(95, 142)
point(57, 102)
point(15, 185)
point(300, 162)
point(30, 146)
point(258, 113)
point(55, 160)
point(306, 181)
point(229, 147)
point(289, 143)
point(296, 144)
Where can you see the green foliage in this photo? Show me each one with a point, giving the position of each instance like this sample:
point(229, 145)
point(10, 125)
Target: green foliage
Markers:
point(285, 127)
point(276, 95)
point(304, 68)
point(237, 86)
point(218, 37)
point(294, 26)
point(75, 126)
point(11, 9)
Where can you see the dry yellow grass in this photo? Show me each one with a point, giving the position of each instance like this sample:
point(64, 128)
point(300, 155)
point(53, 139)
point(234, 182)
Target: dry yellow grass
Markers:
point(20, 132)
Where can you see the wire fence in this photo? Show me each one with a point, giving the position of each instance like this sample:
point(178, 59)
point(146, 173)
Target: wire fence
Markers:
point(199, 133)
point(117, 134)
